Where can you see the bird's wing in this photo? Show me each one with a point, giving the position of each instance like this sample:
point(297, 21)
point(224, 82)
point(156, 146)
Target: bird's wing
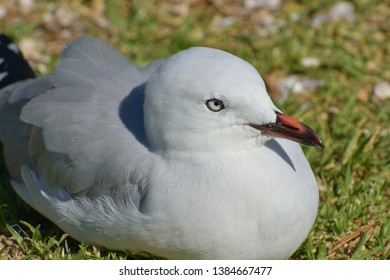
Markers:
point(84, 127)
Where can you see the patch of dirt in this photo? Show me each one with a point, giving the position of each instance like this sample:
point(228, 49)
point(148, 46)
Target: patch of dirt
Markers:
point(9, 249)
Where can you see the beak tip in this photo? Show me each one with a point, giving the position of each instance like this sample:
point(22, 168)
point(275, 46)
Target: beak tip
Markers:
point(317, 141)
point(321, 144)
point(314, 138)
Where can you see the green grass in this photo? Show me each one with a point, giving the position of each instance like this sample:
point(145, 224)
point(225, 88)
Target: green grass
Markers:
point(353, 171)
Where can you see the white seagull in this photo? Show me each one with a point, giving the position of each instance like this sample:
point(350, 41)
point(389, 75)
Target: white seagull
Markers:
point(186, 158)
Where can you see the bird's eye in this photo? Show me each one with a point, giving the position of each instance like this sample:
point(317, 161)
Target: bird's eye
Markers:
point(215, 105)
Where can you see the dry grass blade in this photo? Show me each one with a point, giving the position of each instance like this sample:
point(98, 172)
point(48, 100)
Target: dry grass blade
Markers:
point(347, 239)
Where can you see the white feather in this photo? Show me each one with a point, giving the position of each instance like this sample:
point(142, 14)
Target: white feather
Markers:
point(132, 159)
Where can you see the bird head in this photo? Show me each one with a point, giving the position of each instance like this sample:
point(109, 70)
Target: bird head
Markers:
point(203, 99)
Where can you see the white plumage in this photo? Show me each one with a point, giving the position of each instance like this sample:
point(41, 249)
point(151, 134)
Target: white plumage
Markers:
point(134, 158)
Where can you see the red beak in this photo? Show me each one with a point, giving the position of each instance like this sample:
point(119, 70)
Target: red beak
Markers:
point(291, 129)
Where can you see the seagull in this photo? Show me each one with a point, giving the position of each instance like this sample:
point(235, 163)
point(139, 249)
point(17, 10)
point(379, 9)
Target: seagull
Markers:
point(185, 158)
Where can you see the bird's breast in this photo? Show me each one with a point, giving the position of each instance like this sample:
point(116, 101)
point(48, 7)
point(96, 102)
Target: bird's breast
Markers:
point(256, 202)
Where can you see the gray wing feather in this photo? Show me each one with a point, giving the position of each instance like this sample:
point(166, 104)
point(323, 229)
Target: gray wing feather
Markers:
point(13, 133)
point(83, 129)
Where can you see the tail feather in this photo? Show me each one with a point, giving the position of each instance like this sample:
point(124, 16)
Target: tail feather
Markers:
point(13, 66)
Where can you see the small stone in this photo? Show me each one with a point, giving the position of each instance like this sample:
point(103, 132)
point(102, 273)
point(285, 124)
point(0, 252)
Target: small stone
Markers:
point(266, 4)
point(342, 10)
point(298, 85)
point(26, 5)
point(382, 91)
point(291, 84)
point(65, 17)
point(3, 11)
point(310, 62)
point(181, 9)
point(318, 19)
point(58, 18)
point(222, 22)
point(268, 21)
point(31, 48)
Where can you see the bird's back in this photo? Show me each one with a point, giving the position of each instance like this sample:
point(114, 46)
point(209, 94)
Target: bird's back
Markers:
point(80, 128)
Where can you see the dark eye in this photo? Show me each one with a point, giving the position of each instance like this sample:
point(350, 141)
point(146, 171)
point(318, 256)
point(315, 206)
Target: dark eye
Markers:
point(215, 105)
